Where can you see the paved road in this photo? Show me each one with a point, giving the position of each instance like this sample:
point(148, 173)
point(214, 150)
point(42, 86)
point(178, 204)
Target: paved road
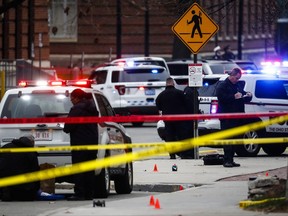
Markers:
point(203, 195)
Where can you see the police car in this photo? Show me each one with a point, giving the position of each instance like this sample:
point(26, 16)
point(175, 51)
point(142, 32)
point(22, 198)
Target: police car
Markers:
point(51, 99)
point(131, 90)
point(270, 94)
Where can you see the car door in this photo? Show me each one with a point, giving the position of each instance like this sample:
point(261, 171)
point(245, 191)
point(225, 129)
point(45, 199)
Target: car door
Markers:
point(109, 132)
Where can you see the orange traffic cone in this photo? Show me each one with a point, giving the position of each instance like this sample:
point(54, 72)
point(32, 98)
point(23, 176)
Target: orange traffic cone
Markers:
point(157, 204)
point(152, 203)
point(155, 168)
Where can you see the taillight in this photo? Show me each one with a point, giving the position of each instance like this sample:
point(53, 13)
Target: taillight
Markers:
point(22, 84)
point(121, 89)
point(56, 83)
point(214, 106)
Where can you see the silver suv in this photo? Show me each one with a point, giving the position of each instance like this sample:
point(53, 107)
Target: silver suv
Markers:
point(131, 90)
point(53, 101)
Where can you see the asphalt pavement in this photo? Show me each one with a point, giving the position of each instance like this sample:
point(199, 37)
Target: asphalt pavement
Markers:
point(198, 189)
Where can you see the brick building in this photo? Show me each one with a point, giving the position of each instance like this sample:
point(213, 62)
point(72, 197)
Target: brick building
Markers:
point(86, 32)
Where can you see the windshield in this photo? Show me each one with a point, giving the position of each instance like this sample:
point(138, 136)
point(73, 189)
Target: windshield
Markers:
point(36, 105)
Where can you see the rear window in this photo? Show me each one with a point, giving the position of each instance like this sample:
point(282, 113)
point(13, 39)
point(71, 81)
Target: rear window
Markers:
point(272, 89)
point(209, 87)
point(178, 69)
point(221, 68)
point(149, 62)
point(247, 66)
point(36, 105)
point(140, 75)
point(99, 76)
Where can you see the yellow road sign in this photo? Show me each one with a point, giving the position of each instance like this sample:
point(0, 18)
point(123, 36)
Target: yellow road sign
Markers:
point(195, 28)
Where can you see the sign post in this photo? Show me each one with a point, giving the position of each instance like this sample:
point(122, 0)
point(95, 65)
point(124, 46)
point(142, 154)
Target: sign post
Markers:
point(195, 28)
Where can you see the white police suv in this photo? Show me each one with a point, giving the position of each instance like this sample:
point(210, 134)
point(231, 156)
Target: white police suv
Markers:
point(131, 90)
point(270, 94)
point(51, 99)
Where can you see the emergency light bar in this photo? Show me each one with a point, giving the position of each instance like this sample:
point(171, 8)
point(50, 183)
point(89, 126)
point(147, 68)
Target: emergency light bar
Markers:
point(33, 83)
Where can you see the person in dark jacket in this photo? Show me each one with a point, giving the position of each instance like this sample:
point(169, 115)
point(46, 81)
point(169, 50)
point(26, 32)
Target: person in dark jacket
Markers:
point(19, 163)
point(228, 54)
point(82, 134)
point(231, 99)
point(171, 101)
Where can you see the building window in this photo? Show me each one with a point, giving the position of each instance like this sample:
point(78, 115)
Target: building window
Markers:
point(62, 20)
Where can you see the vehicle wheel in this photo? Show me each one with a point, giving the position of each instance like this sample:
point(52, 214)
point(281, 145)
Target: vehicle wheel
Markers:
point(274, 149)
point(248, 150)
point(124, 183)
point(102, 184)
point(137, 124)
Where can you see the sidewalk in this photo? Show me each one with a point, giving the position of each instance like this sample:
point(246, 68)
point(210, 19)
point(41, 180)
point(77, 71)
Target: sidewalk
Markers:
point(211, 198)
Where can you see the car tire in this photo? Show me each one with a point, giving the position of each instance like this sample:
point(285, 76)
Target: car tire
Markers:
point(124, 183)
point(248, 150)
point(274, 149)
point(102, 184)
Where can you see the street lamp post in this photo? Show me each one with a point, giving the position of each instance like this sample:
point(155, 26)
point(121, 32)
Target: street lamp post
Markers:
point(40, 47)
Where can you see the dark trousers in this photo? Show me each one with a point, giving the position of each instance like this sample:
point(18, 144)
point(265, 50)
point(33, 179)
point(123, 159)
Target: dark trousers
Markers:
point(84, 182)
point(174, 131)
point(229, 151)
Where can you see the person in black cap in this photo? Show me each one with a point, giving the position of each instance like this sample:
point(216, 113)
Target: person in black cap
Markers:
point(82, 134)
point(228, 54)
point(19, 163)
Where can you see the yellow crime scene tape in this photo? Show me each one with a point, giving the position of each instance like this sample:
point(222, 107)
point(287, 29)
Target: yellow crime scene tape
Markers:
point(171, 147)
point(247, 203)
point(143, 145)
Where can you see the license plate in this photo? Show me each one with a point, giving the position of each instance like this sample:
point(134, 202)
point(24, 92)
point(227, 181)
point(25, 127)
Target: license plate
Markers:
point(149, 91)
point(42, 135)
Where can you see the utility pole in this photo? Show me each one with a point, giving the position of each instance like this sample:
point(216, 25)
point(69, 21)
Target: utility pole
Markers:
point(119, 29)
point(147, 32)
point(240, 29)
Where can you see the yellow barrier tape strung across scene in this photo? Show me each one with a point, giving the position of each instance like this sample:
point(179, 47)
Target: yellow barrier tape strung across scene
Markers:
point(143, 145)
point(247, 203)
point(171, 147)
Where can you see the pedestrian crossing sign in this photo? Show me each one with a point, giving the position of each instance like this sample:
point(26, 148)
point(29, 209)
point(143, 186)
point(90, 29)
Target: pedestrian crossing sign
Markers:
point(195, 28)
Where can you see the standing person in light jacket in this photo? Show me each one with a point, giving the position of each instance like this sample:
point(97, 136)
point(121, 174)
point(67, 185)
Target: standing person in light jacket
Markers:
point(231, 99)
point(82, 134)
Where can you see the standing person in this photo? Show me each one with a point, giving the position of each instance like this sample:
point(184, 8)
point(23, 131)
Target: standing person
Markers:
point(82, 134)
point(19, 163)
point(228, 54)
point(171, 101)
point(231, 99)
point(191, 107)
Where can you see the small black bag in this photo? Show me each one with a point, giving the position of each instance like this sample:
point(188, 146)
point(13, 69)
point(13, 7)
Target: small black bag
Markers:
point(214, 159)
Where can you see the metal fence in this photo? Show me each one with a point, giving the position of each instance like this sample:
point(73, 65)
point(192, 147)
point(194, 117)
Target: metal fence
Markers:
point(13, 71)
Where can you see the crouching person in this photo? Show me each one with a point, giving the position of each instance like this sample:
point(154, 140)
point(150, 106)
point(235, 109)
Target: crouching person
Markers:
point(12, 164)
